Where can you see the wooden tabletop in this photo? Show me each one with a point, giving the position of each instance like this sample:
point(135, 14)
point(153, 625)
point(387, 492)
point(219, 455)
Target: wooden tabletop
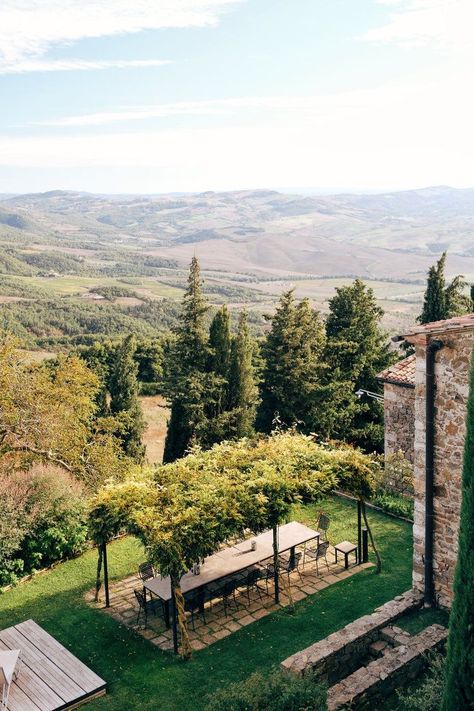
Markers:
point(234, 559)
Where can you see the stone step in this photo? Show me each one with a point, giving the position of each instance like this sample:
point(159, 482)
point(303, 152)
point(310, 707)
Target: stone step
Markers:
point(392, 669)
point(376, 649)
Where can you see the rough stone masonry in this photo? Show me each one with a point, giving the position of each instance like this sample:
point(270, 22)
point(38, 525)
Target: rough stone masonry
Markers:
point(451, 394)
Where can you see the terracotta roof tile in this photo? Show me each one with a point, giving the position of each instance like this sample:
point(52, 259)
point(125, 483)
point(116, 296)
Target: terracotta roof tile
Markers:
point(401, 373)
point(450, 324)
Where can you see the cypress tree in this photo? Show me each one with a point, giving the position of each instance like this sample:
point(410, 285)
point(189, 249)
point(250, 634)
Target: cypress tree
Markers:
point(459, 686)
point(219, 342)
point(434, 303)
point(243, 391)
point(188, 382)
point(440, 301)
point(291, 387)
point(123, 389)
point(357, 349)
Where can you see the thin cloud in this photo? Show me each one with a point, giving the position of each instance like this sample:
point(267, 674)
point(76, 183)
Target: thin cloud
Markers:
point(446, 24)
point(29, 28)
point(304, 106)
point(67, 65)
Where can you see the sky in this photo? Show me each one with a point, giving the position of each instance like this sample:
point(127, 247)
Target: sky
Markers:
point(156, 96)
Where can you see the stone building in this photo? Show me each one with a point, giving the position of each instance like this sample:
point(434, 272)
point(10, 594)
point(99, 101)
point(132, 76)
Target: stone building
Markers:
point(439, 372)
point(399, 407)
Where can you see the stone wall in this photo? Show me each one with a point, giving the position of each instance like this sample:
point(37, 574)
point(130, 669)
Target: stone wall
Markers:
point(340, 654)
point(399, 417)
point(452, 389)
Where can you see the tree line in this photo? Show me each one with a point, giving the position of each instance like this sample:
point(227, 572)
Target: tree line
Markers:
point(305, 373)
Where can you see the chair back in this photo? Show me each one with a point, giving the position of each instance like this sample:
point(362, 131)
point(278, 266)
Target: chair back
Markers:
point(298, 556)
point(253, 576)
point(192, 601)
point(146, 571)
point(322, 549)
point(323, 523)
point(140, 598)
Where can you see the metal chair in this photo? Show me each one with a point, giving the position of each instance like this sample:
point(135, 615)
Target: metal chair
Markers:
point(322, 526)
point(250, 581)
point(319, 551)
point(144, 605)
point(146, 571)
point(193, 602)
point(9, 671)
point(225, 590)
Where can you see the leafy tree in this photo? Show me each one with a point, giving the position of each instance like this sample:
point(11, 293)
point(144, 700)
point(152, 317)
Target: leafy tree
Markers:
point(356, 350)
point(49, 413)
point(459, 688)
point(293, 373)
point(191, 356)
point(443, 301)
point(243, 390)
point(123, 387)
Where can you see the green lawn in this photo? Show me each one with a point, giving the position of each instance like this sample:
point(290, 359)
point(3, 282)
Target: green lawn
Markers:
point(140, 675)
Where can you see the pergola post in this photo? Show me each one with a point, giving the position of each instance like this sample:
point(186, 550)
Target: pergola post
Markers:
point(106, 574)
point(275, 564)
point(359, 532)
point(174, 615)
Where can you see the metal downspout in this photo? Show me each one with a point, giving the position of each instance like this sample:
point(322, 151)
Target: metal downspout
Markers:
point(432, 348)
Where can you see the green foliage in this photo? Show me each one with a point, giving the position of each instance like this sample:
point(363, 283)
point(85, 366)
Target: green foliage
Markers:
point(443, 301)
point(42, 519)
point(394, 504)
point(49, 413)
point(53, 262)
point(275, 691)
point(186, 509)
point(459, 689)
point(114, 292)
point(292, 389)
point(356, 351)
point(427, 695)
point(187, 384)
point(124, 403)
point(56, 321)
point(243, 390)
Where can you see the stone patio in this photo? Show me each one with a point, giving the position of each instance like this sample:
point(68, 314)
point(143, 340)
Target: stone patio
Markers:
point(214, 624)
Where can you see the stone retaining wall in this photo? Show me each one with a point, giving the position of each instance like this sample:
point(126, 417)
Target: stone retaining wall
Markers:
point(340, 654)
point(392, 670)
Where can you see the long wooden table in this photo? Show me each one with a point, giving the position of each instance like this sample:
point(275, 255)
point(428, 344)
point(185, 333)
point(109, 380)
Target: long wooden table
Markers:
point(234, 559)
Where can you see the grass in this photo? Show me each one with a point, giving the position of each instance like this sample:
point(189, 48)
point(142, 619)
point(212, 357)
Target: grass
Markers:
point(141, 675)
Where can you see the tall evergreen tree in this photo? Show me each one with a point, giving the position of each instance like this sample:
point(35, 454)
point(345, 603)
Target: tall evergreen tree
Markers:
point(459, 687)
point(356, 350)
point(188, 382)
point(220, 342)
point(443, 301)
point(123, 389)
point(243, 390)
point(292, 378)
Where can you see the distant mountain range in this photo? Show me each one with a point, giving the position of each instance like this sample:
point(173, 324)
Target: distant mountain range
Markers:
point(262, 232)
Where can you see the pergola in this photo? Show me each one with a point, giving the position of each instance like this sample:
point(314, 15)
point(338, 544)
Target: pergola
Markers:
point(185, 511)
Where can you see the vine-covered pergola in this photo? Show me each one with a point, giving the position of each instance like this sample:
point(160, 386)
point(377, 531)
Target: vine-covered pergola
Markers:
point(184, 511)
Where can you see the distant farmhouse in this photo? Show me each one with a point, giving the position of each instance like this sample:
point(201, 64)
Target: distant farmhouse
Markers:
point(425, 399)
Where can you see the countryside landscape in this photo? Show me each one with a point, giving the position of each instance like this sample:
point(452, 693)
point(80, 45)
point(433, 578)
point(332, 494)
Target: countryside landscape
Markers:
point(236, 355)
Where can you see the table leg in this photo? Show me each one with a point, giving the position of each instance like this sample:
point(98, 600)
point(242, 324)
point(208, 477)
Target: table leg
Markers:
point(335, 555)
point(346, 560)
point(166, 608)
point(201, 600)
point(292, 558)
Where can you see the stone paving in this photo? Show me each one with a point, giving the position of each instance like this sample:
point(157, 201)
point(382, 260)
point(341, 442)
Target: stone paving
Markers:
point(214, 624)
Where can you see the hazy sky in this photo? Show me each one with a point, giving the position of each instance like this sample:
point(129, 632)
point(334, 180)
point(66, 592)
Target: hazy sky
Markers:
point(184, 95)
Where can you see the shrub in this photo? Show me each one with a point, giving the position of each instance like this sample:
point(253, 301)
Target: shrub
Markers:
point(394, 504)
point(428, 694)
point(275, 691)
point(43, 520)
